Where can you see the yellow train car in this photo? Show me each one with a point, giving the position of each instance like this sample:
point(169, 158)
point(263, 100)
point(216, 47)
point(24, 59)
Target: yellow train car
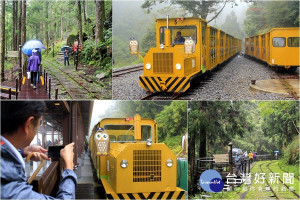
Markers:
point(177, 60)
point(130, 162)
point(278, 48)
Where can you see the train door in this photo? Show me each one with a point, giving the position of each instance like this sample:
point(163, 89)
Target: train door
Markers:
point(203, 55)
point(268, 47)
point(263, 47)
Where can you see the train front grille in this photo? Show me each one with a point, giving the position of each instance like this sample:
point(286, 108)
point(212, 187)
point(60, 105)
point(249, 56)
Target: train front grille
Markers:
point(162, 63)
point(146, 165)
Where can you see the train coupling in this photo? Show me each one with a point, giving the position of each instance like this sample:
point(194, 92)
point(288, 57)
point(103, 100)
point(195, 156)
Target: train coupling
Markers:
point(163, 85)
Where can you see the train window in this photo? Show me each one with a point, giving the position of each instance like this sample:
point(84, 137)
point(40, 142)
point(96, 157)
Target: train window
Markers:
point(279, 42)
point(146, 132)
point(186, 32)
point(293, 42)
point(120, 133)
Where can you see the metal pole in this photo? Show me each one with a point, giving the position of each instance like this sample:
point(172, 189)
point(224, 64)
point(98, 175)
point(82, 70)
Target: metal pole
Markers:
point(56, 93)
point(46, 81)
point(230, 162)
point(49, 88)
point(9, 93)
point(17, 84)
point(76, 59)
point(20, 79)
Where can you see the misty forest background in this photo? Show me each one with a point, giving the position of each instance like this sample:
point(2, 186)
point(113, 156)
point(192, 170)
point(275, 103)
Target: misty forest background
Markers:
point(240, 19)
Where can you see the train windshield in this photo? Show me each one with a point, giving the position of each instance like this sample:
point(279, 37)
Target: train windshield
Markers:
point(125, 133)
point(120, 133)
point(179, 34)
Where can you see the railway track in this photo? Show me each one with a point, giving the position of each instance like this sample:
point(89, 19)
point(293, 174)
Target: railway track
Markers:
point(127, 70)
point(264, 167)
point(283, 78)
point(159, 96)
point(74, 88)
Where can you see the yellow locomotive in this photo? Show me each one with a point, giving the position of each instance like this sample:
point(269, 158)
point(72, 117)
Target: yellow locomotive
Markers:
point(185, 48)
point(130, 162)
point(278, 48)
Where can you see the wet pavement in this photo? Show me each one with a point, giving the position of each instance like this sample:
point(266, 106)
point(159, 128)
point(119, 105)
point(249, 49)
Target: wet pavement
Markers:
point(27, 91)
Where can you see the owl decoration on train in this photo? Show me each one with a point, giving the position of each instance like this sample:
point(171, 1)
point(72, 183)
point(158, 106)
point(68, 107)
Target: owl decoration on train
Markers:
point(133, 46)
point(102, 142)
point(189, 46)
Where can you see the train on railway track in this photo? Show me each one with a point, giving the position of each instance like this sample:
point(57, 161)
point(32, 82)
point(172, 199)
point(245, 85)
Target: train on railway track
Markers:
point(185, 49)
point(279, 47)
point(130, 162)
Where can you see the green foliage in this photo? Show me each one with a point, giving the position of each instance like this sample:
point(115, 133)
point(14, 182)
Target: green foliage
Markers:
point(281, 119)
point(265, 15)
point(174, 143)
point(173, 120)
point(291, 152)
point(70, 40)
point(289, 168)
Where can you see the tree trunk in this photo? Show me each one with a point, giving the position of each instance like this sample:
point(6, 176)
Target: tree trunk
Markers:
point(100, 17)
point(2, 39)
point(14, 25)
point(23, 28)
point(20, 22)
point(79, 21)
point(61, 24)
point(191, 159)
point(84, 11)
point(86, 8)
point(46, 24)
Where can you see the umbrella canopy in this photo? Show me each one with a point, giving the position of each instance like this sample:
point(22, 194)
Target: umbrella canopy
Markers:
point(66, 47)
point(236, 150)
point(32, 44)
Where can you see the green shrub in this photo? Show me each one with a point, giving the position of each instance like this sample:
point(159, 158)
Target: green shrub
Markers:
point(291, 152)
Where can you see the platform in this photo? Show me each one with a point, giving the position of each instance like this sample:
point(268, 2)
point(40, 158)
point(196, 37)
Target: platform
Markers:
point(27, 91)
point(276, 86)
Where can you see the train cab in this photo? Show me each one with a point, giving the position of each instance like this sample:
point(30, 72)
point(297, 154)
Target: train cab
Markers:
point(132, 164)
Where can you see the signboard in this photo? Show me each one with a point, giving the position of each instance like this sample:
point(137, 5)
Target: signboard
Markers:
point(12, 54)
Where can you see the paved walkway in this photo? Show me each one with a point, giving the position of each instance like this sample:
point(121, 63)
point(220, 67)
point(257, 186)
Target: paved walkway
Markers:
point(27, 92)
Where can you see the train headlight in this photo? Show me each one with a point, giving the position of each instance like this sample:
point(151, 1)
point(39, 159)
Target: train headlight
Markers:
point(169, 163)
point(124, 163)
point(178, 66)
point(149, 142)
point(148, 66)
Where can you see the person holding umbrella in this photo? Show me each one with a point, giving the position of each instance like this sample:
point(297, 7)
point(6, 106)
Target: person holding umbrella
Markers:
point(33, 67)
point(66, 56)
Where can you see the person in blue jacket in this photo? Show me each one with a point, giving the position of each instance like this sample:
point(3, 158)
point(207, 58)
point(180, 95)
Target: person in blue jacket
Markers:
point(20, 121)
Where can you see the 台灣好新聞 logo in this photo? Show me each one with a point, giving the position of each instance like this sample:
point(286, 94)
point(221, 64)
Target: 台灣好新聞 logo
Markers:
point(211, 181)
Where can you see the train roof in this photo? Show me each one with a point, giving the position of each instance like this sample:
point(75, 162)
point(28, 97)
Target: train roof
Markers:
point(172, 18)
point(274, 29)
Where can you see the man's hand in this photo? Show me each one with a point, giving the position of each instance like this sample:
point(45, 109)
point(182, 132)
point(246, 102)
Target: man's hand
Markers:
point(67, 154)
point(38, 152)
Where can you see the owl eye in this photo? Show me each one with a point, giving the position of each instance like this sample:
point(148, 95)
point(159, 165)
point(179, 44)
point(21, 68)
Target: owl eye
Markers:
point(135, 43)
point(191, 42)
point(105, 136)
point(186, 42)
point(131, 42)
point(98, 136)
